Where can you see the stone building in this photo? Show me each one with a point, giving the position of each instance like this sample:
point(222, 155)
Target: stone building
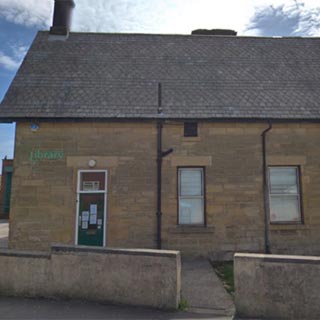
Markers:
point(204, 143)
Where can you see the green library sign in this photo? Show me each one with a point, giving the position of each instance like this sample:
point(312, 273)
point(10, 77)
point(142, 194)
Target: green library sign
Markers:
point(37, 155)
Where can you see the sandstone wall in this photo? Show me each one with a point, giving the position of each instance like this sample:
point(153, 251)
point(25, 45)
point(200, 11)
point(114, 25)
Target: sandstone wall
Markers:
point(277, 287)
point(134, 277)
point(44, 192)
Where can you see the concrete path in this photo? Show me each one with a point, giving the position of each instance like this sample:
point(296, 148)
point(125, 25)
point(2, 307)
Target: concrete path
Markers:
point(4, 233)
point(203, 290)
point(36, 309)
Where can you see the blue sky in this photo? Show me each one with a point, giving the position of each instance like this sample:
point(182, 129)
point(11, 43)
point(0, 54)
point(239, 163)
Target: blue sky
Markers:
point(20, 20)
point(14, 41)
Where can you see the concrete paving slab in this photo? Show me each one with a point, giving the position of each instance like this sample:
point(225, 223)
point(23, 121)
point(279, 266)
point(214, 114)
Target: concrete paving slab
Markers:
point(203, 290)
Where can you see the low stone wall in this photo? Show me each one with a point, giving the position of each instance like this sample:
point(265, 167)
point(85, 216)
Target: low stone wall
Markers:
point(277, 286)
point(123, 276)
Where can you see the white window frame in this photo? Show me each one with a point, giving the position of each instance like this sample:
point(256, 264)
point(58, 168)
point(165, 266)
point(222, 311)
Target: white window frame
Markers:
point(202, 196)
point(298, 195)
point(79, 191)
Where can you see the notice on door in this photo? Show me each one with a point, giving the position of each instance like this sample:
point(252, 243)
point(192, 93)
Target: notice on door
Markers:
point(85, 216)
point(93, 208)
point(93, 219)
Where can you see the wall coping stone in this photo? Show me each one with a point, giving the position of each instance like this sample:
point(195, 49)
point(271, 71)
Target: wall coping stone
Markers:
point(280, 258)
point(60, 249)
point(24, 254)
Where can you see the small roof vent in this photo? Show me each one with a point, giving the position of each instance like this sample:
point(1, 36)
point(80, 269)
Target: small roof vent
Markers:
point(215, 32)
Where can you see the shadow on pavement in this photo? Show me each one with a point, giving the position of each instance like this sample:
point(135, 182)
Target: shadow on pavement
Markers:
point(23, 308)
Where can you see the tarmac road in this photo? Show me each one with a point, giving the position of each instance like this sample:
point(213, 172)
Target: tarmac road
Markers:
point(21, 308)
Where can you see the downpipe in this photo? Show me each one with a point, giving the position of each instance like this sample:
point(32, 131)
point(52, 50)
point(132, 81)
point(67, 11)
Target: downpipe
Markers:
point(265, 190)
point(160, 155)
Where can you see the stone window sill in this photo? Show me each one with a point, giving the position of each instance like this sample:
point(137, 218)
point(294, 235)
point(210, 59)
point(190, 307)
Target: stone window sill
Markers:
point(191, 229)
point(191, 139)
point(293, 226)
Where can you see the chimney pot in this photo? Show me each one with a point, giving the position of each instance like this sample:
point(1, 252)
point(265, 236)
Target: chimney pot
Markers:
point(215, 32)
point(62, 17)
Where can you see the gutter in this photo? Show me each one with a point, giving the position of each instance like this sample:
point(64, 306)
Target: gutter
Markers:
point(265, 189)
point(153, 118)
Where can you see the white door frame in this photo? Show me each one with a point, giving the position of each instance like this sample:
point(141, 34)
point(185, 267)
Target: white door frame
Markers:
point(105, 191)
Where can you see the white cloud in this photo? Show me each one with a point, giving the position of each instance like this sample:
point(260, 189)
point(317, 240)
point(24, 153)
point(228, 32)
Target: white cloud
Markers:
point(309, 23)
point(170, 16)
point(27, 12)
point(8, 62)
point(13, 61)
point(298, 18)
point(19, 51)
point(155, 16)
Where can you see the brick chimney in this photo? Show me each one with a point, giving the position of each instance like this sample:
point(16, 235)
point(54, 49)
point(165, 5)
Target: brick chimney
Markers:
point(214, 32)
point(62, 17)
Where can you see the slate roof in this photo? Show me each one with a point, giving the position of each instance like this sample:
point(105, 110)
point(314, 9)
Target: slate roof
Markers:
point(92, 75)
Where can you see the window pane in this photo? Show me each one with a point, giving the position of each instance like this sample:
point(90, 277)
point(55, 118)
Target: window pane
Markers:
point(91, 181)
point(283, 180)
point(190, 182)
point(91, 208)
point(284, 208)
point(191, 129)
point(191, 211)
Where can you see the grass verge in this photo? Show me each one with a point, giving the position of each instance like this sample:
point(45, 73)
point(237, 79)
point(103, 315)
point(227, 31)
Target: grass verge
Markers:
point(183, 305)
point(224, 270)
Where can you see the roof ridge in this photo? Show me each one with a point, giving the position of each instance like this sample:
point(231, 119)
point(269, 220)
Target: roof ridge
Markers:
point(182, 35)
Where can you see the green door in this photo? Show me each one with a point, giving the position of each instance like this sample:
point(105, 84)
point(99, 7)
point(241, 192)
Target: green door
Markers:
point(7, 194)
point(91, 208)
